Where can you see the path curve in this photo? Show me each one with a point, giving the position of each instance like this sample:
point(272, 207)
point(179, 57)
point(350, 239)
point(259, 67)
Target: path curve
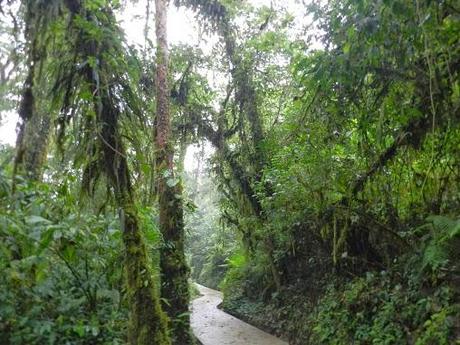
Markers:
point(212, 326)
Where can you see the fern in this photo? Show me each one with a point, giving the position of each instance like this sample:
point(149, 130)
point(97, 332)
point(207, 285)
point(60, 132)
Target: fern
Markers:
point(442, 243)
point(448, 228)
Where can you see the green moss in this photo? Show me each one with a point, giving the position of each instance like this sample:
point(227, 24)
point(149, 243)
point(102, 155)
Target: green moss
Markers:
point(174, 269)
point(148, 324)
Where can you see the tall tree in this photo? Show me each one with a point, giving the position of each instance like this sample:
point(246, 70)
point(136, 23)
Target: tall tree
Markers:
point(250, 151)
point(34, 128)
point(104, 83)
point(174, 269)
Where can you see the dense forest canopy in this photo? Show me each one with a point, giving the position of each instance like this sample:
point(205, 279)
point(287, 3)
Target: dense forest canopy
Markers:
point(303, 157)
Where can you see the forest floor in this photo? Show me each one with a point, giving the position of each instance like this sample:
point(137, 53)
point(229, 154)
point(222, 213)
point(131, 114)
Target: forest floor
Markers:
point(212, 326)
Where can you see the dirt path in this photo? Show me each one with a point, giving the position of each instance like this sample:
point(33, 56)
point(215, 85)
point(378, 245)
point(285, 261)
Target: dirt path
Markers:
point(212, 326)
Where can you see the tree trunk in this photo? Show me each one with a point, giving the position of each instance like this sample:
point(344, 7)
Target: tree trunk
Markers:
point(147, 322)
point(31, 146)
point(173, 265)
point(32, 141)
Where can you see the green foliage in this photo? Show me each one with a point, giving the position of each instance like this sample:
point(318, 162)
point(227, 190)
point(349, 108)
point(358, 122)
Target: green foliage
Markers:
point(62, 276)
point(414, 302)
point(384, 309)
point(441, 242)
point(367, 148)
point(362, 139)
point(148, 223)
point(330, 152)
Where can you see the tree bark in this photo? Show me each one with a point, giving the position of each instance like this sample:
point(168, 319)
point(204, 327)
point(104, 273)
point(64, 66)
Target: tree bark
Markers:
point(32, 141)
point(174, 287)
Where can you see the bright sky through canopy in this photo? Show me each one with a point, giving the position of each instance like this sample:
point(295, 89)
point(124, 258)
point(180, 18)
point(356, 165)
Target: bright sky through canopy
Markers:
point(182, 29)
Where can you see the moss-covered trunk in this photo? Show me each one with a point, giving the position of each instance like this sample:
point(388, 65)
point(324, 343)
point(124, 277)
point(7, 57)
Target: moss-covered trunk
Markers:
point(172, 260)
point(174, 269)
point(32, 145)
point(147, 324)
point(32, 141)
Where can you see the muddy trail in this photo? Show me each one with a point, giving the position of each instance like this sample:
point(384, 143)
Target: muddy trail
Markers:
point(212, 326)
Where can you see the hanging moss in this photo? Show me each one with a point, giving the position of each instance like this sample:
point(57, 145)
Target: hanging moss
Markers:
point(148, 325)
